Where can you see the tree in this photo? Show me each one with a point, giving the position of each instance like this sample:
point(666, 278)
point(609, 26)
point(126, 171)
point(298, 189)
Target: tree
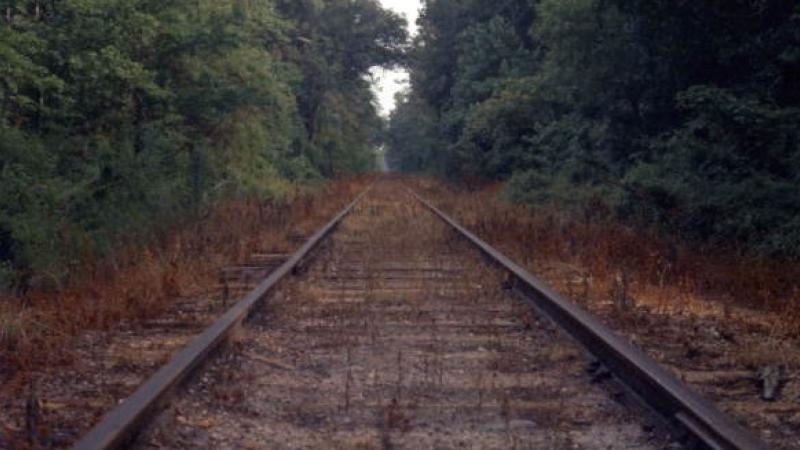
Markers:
point(119, 115)
point(680, 113)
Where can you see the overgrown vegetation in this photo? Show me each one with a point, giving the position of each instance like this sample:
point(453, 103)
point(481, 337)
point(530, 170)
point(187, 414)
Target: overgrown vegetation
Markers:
point(684, 114)
point(139, 282)
point(587, 257)
point(121, 117)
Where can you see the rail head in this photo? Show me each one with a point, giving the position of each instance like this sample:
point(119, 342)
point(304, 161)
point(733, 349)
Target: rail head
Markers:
point(653, 384)
point(121, 424)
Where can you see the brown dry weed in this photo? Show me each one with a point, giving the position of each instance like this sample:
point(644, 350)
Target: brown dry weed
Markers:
point(138, 282)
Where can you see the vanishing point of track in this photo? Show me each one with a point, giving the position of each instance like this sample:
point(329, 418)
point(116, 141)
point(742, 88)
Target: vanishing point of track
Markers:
point(401, 329)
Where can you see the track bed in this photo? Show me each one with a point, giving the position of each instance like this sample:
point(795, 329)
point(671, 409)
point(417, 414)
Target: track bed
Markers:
point(398, 335)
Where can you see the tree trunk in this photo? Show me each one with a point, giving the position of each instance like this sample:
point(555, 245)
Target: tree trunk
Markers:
point(329, 151)
point(138, 124)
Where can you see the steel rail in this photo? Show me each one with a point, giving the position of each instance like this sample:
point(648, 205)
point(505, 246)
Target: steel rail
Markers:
point(122, 423)
point(650, 382)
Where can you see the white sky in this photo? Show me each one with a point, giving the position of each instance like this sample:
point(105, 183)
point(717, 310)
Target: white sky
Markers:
point(389, 82)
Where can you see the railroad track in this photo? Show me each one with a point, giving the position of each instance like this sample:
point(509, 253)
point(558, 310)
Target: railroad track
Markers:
point(400, 329)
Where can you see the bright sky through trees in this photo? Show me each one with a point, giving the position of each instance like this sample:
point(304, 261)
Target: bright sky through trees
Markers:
point(389, 82)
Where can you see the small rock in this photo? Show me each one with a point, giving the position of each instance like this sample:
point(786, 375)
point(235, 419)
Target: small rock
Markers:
point(771, 379)
point(519, 424)
point(496, 427)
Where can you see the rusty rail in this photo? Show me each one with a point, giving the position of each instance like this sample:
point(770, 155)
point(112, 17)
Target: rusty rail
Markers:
point(121, 424)
point(706, 425)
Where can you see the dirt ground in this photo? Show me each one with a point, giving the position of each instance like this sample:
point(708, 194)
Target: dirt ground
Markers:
point(399, 336)
point(66, 399)
point(726, 359)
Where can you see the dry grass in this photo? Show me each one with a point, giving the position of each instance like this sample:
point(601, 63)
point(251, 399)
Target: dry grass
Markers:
point(588, 254)
point(137, 283)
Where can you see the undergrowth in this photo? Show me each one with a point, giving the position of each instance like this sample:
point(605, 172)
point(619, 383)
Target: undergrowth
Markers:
point(597, 249)
point(141, 280)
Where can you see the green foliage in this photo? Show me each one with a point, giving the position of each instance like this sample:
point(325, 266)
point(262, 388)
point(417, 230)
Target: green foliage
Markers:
point(730, 172)
point(119, 116)
point(29, 219)
point(681, 113)
point(339, 41)
point(412, 140)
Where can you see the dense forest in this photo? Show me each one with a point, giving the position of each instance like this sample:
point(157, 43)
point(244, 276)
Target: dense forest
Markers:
point(119, 116)
point(681, 113)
